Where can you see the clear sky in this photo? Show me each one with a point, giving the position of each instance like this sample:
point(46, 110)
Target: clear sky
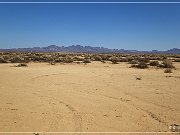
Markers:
point(119, 26)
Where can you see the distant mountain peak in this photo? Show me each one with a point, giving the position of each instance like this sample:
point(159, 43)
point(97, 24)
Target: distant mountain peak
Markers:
point(88, 49)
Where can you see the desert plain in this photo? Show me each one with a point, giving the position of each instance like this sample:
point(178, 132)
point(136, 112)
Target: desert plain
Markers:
point(93, 97)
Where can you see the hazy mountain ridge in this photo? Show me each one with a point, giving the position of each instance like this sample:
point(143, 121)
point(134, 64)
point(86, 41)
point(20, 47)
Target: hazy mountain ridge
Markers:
point(86, 49)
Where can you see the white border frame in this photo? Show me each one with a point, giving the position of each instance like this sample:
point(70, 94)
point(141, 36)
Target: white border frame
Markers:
point(29, 2)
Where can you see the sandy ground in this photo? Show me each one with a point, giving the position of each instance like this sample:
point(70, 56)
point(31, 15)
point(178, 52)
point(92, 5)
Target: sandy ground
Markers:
point(88, 98)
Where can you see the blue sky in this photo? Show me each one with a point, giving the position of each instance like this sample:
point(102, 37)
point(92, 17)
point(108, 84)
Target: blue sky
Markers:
point(127, 26)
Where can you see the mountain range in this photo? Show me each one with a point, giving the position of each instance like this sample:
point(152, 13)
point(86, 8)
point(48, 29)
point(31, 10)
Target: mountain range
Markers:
point(87, 49)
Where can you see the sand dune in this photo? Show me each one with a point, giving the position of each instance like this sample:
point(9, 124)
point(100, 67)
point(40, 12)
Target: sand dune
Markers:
point(93, 97)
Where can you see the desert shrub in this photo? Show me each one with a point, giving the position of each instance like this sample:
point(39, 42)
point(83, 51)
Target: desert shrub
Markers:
point(105, 57)
point(17, 59)
point(78, 58)
point(134, 62)
point(22, 65)
point(123, 60)
point(86, 60)
point(114, 60)
point(154, 63)
point(68, 59)
point(168, 70)
point(97, 58)
point(129, 58)
point(141, 65)
point(167, 64)
point(145, 60)
point(176, 60)
point(2, 60)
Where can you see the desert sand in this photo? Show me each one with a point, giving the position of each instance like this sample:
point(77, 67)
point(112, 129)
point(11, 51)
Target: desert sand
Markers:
point(95, 97)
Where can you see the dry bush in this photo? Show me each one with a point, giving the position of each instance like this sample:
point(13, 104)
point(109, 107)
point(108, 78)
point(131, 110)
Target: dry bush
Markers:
point(68, 59)
point(17, 59)
point(145, 60)
point(105, 56)
point(123, 60)
point(154, 63)
point(2, 60)
point(167, 64)
point(97, 58)
point(141, 65)
point(78, 58)
point(134, 62)
point(114, 60)
point(86, 60)
point(176, 60)
point(168, 70)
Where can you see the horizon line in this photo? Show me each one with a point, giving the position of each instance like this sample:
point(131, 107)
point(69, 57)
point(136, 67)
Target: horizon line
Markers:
point(159, 50)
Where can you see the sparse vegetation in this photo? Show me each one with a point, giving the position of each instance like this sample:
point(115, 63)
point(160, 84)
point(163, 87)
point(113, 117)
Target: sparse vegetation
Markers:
point(137, 60)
